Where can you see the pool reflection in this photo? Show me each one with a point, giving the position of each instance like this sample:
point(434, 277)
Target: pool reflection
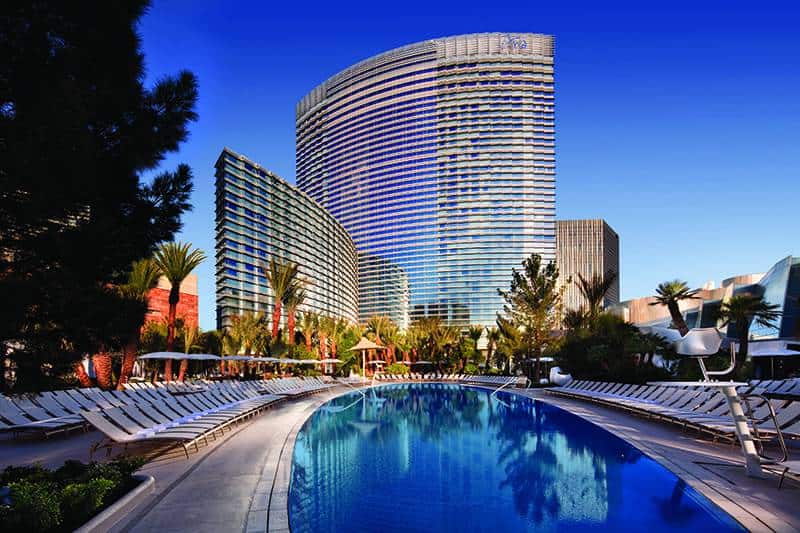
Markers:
point(431, 457)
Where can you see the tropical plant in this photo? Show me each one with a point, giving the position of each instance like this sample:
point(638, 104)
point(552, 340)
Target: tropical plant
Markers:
point(741, 310)
point(293, 299)
point(308, 324)
point(190, 335)
point(492, 338)
point(670, 294)
point(142, 278)
point(533, 305)
point(595, 289)
point(283, 279)
point(475, 333)
point(175, 260)
point(576, 319)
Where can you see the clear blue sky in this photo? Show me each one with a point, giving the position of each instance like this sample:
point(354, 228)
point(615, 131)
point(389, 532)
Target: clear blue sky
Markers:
point(678, 124)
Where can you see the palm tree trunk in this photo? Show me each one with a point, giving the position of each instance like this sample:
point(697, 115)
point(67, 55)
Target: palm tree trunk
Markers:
point(173, 311)
point(323, 341)
point(83, 377)
point(677, 318)
point(276, 319)
point(128, 359)
point(102, 369)
point(290, 323)
point(307, 336)
point(183, 368)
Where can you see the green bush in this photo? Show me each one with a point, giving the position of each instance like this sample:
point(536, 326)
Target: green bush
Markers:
point(397, 368)
point(81, 501)
point(35, 507)
point(471, 369)
point(62, 499)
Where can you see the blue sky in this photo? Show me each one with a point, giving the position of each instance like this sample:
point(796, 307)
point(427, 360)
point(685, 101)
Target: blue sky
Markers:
point(677, 122)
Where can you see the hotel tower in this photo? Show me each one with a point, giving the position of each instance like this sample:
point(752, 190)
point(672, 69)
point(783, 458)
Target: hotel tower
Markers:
point(438, 158)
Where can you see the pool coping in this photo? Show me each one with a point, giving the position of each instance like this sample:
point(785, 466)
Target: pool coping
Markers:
point(278, 480)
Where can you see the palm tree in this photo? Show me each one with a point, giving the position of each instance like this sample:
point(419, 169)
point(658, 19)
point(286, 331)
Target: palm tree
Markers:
point(190, 335)
point(575, 319)
point(231, 344)
point(308, 323)
point(142, 278)
point(492, 338)
point(176, 261)
point(475, 333)
point(595, 289)
point(282, 278)
point(670, 293)
point(742, 310)
point(293, 299)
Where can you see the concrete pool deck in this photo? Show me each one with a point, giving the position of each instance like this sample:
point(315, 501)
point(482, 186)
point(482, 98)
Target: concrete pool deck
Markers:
point(240, 483)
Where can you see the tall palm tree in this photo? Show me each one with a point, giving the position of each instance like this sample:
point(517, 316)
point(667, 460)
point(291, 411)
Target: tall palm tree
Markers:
point(325, 326)
point(293, 299)
point(190, 335)
point(282, 278)
point(575, 319)
point(231, 344)
point(492, 338)
point(142, 278)
point(475, 333)
point(176, 261)
point(742, 310)
point(308, 323)
point(670, 293)
point(595, 289)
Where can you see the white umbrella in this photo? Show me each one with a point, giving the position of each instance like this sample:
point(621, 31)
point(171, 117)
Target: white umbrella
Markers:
point(422, 363)
point(324, 361)
point(363, 346)
point(376, 362)
point(201, 357)
point(163, 355)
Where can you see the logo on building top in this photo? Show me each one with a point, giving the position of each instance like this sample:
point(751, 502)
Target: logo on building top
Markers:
point(514, 41)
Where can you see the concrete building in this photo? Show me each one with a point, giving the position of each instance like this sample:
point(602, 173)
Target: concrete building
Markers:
point(439, 160)
point(588, 248)
point(780, 286)
point(260, 216)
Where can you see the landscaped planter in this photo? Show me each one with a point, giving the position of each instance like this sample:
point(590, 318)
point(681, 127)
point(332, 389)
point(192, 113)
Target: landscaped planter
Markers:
point(120, 508)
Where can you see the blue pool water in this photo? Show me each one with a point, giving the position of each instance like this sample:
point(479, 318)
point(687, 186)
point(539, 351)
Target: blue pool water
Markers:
point(433, 457)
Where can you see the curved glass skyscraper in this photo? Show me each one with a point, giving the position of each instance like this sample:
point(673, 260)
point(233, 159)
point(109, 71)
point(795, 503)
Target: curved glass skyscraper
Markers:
point(439, 160)
point(260, 217)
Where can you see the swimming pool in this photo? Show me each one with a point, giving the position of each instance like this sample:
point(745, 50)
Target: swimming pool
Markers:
point(442, 457)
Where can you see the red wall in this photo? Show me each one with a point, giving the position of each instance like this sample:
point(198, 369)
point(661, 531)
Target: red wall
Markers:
point(158, 303)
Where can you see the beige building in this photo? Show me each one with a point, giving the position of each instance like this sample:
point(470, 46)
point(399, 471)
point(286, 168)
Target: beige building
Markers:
point(586, 247)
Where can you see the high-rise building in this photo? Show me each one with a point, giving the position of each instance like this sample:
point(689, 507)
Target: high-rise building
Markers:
point(588, 248)
point(260, 216)
point(439, 160)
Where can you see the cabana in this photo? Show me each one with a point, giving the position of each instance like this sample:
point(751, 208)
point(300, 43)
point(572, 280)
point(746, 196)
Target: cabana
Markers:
point(363, 346)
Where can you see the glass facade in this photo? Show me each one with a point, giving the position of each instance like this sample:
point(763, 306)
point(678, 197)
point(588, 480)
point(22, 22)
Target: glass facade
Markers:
point(781, 286)
point(439, 160)
point(260, 216)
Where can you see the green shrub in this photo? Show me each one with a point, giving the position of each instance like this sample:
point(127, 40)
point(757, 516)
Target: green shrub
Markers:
point(81, 501)
point(42, 500)
point(397, 368)
point(471, 369)
point(35, 507)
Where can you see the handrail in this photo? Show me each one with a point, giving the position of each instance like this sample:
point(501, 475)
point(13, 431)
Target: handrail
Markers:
point(707, 373)
point(360, 391)
point(774, 417)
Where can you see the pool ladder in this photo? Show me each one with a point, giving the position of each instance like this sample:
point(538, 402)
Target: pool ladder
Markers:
point(758, 439)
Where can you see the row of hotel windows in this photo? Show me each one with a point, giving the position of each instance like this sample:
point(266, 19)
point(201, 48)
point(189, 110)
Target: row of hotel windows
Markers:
point(346, 104)
point(394, 126)
point(331, 116)
point(403, 109)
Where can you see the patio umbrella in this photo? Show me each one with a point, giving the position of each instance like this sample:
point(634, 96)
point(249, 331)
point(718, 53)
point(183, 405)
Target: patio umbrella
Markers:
point(163, 355)
point(363, 346)
point(325, 361)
